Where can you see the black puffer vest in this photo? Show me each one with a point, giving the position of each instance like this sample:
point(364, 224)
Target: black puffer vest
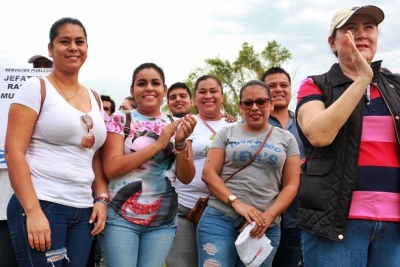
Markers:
point(329, 173)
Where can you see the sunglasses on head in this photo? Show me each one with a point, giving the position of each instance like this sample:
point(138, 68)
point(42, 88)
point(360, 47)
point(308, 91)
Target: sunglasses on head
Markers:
point(260, 102)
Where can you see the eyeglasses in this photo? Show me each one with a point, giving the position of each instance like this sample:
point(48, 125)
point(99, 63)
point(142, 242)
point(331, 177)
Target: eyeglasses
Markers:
point(88, 139)
point(260, 102)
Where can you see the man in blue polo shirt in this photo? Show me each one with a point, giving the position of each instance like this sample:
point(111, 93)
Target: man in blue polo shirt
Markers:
point(289, 252)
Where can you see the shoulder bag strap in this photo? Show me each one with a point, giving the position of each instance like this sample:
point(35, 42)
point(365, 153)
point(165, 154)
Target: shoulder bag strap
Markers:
point(254, 157)
point(42, 94)
point(127, 126)
point(96, 95)
point(170, 118)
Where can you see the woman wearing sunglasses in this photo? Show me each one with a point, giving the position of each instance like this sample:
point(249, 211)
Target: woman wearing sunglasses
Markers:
point(53, 159)
point(260, 192)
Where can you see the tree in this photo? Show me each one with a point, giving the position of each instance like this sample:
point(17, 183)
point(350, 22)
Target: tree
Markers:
point(249, 65)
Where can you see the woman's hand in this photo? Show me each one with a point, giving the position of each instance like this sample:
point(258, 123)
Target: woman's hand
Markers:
point(250, 213)
point(38, 230)
point(166, 134)
point(188, 123)
point(99, 215)
point(359, 58)
point(229, 118)
point(259, 231)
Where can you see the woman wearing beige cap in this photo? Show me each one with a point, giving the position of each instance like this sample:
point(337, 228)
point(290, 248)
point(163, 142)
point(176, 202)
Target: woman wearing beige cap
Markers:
point(349, 120)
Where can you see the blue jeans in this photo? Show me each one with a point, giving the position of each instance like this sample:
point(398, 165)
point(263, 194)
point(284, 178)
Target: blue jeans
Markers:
point(289, 252)
point(70, 235)
point(126, 244)
point(367, 243)
point(216, 240)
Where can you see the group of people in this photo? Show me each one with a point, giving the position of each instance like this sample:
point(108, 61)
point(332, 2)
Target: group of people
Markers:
point(127, 105)
point(131, 177)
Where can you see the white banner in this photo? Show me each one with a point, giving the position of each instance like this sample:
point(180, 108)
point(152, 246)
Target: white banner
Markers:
point(11, 80)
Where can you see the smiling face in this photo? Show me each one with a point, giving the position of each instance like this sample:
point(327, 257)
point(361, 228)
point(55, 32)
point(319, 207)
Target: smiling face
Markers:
point(179, 102)
point(209, 98)
point(365, 34)
point(256, 119)
point(281, 92)
point(69, 48)
point(148, 90)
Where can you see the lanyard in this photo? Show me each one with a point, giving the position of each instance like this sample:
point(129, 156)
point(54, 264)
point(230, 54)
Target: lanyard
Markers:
point(205, 122)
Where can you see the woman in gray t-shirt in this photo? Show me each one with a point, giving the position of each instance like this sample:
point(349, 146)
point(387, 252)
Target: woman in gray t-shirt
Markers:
point(260, 192)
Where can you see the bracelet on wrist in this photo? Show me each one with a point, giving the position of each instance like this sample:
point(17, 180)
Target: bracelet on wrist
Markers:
point(102, 195)
point(180, 145)
point(178, 150)
point(104, 200)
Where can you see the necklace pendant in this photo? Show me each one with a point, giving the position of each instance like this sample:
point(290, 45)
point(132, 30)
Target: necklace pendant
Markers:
point(67, 99)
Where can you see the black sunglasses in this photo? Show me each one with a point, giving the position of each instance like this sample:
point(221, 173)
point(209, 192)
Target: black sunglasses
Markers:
point(260, 102)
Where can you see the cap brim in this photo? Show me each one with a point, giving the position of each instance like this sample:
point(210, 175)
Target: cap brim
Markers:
point(373, 11)
point(33, 58)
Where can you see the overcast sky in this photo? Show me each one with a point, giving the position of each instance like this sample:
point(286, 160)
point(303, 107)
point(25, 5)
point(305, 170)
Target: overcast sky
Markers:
point(179, 34)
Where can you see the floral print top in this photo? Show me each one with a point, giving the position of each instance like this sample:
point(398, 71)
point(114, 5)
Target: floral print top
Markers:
point(143, 196)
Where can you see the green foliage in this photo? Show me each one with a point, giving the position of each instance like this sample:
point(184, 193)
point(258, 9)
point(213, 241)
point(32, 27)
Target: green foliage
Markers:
point(248, 65)
point(275, 55)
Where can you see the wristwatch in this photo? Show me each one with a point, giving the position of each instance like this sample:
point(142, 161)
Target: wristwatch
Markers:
point(231, 199)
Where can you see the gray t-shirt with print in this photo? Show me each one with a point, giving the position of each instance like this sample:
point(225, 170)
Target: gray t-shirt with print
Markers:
point(259, 184)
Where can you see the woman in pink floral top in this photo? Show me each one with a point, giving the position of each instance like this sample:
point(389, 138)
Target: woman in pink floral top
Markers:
point(141, 220)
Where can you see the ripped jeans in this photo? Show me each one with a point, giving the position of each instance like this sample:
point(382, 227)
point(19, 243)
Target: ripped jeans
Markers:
point(70, 235)
point(216, 240)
